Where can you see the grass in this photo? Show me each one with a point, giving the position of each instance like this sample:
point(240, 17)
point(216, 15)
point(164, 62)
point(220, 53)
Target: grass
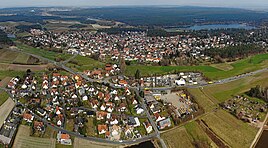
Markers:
point(22, 59)
point(198, 135)
point(178, 138)
point(224, 92)
point(3, 97)
point(10, 73)
point(242, 66)
point(234, 132)
point(90, 127)
point(85, 63)
point(42, 52)
point(202, 99)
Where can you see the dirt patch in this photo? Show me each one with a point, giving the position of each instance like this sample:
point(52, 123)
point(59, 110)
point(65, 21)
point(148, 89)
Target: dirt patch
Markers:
point(211, 134)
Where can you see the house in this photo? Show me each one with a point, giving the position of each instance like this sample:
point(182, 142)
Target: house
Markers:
point(101, 115)
point(28, 117)
point(158, 117)
point(39, 126)
point(41, 112)
point(133, 121)
point(180, 82)
point(64, 139)
point(164, 123)
point(102, 128)
point(148, 127)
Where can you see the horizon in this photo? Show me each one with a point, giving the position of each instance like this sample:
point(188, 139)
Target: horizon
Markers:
point(247, 4)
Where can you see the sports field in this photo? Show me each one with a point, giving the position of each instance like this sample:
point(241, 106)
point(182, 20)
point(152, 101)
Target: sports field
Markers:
point(23, 140)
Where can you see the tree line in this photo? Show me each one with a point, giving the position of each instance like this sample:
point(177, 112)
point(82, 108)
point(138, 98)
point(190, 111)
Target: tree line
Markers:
point(259, 92)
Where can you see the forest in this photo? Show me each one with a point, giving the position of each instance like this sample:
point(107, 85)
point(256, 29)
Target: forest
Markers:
point(259, 92)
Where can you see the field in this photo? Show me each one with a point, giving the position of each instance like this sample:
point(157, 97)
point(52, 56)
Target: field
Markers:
point(4, 82)
point(84, 63)
point(206, 102)
point(5, 108)
point(234, 132)
point(226, 91)
point(23, 140)
point(214, 72)
point(178, 138)
point(43, 52)
point(81, 143)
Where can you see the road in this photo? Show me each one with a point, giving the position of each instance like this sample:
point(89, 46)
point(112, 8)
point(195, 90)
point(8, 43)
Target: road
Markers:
point(136, 89)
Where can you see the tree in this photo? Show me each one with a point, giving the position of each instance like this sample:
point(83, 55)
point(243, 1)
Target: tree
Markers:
point(137, 74)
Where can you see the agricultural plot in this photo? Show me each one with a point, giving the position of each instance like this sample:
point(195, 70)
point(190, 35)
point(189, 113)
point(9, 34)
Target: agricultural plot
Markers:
point(21, 59)
point(7, 56)
point(234, 132)
point(84, 63)
point(23, 140)
point(4, 82)
point(226, 91)
point(6, 105)
point(82, 143)
point(178, 138)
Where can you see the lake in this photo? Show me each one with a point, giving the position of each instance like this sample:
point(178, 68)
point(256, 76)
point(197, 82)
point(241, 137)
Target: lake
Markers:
point(221, 26)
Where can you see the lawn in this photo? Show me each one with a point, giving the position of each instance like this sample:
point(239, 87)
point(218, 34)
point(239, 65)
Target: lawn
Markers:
point(23, 140)
point(214, 72)
point(226, 91)
point(178, 138)
point(84, 63)
point(234, 132)
point(91, 128)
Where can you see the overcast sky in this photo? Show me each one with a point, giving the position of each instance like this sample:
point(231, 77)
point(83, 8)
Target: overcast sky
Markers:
point(250, 4)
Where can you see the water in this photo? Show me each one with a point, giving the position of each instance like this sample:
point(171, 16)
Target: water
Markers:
point(263, 143)
point(147, 144)
point(221, 26)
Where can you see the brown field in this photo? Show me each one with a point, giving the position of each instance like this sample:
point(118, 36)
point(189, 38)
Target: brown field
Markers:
point(81, 143)
point(4, 82)
point(23, 140)
point(5, 109)
point(178, 138)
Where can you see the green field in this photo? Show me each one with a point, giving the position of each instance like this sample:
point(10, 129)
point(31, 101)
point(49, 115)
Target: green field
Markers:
point(84, 63)
point(242, 66)
point(10, 73)
point(43, 52)
point(3, 97)
point(22, 59)
point(234, 132)
point(224, 92)
point(7, 56)
point(198, 135)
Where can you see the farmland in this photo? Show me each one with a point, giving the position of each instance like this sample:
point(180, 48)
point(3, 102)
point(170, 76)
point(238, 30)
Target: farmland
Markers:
point(23, 140)
point(5, 108)
point(84, 63)
point(81, 143)
point(213, 72)
point(226, 91)
point(234, 132)
point(183, 138)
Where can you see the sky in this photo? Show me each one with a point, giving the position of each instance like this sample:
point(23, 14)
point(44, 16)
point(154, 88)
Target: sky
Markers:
point(248, 4)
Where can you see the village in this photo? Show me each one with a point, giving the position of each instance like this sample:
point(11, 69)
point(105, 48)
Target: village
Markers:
point(133, 46)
